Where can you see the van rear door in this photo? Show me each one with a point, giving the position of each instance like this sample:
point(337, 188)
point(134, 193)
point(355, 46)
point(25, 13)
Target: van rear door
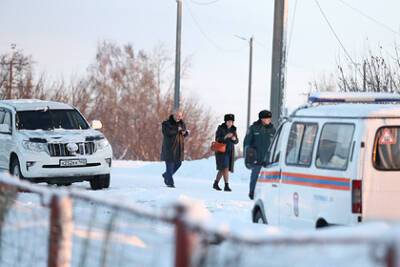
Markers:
point(381, 183)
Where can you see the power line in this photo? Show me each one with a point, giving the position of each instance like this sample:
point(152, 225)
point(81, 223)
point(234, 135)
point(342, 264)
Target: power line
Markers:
point(334, 32)
point(370, 17)
point(291, 29)
point(206, 36)
point(260, 44)
point(204, 3)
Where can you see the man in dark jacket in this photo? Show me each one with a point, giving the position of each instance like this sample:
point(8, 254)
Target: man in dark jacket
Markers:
point(174, 132)
point(259, 137)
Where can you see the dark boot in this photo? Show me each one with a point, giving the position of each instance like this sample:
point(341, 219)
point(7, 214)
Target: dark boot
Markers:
point(216, 186)
point(226, 188)
point(165, 179)
point(251, 195)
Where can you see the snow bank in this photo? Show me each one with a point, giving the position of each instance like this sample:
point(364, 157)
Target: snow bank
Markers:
point(364, 245)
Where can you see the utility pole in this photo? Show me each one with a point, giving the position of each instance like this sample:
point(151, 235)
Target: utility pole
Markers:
point(178, 55)
point(278, 59)
point(250, 76)
point(9, 93)
point(250, 80)
point(10, 80)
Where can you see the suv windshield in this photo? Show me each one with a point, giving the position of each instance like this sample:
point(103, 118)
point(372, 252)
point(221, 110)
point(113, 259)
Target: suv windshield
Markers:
point(50, 119)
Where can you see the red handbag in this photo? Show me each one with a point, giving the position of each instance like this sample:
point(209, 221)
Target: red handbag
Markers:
point(218, 147)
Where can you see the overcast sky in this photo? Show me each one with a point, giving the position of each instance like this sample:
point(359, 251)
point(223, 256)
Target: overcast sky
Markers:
point(62, 36)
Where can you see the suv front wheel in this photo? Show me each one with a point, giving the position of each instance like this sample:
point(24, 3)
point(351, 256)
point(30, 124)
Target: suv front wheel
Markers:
point(15, 169)
point(100, 182)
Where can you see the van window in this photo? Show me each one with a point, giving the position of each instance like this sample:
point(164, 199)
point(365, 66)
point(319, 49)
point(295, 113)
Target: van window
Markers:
point(334, 146)
point(2, 113)
point(276, 147)
point(301, 143)
point(387, 149)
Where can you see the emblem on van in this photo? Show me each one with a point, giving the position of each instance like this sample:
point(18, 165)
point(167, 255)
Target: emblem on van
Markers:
point(72, 147)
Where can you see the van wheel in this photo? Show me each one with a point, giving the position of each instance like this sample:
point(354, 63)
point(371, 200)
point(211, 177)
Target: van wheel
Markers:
point(15, 169)
point(100, 182)
point(258, 217)
point(321, 223)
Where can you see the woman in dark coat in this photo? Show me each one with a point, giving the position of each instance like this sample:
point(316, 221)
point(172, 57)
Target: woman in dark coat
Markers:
point(226, 133)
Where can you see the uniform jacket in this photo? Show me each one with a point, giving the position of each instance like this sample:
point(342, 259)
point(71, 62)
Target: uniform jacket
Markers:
point(259, 137)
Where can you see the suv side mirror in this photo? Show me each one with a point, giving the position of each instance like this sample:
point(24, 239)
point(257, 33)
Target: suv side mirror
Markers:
point(5, 129)
point(97, 125)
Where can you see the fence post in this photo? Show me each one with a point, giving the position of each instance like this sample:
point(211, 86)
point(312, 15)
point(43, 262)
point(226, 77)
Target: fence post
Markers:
point(61, 230)
point(184, 239)
point(8, 194)
point(392, 253)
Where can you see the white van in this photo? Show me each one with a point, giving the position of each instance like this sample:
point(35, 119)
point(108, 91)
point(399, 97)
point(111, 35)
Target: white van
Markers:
point(45, 141)
point(335, 161)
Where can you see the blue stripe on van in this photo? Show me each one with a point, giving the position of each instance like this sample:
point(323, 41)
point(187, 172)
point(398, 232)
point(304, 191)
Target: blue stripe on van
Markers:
point(307, 180)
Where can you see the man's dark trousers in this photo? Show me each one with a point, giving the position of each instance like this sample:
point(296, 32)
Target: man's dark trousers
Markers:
point(253, 178)
point(171, 168)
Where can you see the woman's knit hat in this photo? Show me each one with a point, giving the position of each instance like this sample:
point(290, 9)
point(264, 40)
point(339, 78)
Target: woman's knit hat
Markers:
point(229, 117)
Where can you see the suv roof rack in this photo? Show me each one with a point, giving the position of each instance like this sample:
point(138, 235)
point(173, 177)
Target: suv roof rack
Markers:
point(353, 97)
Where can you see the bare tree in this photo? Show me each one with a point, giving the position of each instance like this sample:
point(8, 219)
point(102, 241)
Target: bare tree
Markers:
point(323, 84)
point(129, 91)
point(374, 72)
point(16, 78)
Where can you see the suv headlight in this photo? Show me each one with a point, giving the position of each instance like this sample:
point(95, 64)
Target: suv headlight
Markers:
point(34, 146)
point(102, 144)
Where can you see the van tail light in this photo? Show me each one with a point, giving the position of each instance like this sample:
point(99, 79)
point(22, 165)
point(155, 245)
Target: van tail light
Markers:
point(356, 196)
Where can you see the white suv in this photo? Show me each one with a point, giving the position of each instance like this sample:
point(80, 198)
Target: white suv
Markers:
point(51, 142)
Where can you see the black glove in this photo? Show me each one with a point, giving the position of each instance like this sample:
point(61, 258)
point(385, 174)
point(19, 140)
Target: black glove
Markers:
point(264, 164)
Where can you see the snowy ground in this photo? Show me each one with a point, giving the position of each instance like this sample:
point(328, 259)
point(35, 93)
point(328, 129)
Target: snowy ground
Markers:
point(141, 183)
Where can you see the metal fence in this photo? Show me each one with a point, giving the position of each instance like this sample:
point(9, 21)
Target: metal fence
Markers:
point(24, 227)
point(285, 251)
point(40, 226)
point(111, 234)
point(372, 245)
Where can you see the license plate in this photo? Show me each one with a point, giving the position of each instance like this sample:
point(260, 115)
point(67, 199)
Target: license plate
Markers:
point(72, 162)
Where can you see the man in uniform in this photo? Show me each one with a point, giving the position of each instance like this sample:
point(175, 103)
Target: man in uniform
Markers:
point(258, 139)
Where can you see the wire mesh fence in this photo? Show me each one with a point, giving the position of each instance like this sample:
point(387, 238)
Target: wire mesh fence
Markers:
point(217, 248)
point(111, 235)
point(47, 227)
point(57, 228)
point(234, 254)
point(24, 228)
